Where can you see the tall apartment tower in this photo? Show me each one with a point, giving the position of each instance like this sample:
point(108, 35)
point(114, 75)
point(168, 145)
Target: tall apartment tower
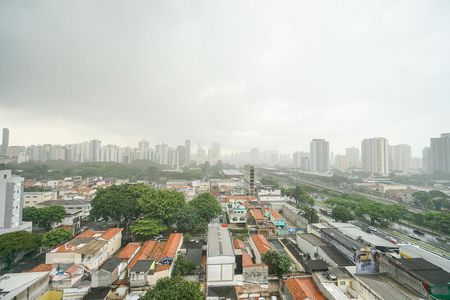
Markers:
point(11, 200)
point(249, 179)
point(5, 141)
point(214, 153)
point(375, 155)
point(320, 155)
point(440, 154)
point(400, 157)
point(353, 157)
point(187, 148)
point(94, 149)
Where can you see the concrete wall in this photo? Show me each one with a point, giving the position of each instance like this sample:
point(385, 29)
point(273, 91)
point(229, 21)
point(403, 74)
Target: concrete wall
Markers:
point(256, 274)
point(104, 278)
point(291, 214)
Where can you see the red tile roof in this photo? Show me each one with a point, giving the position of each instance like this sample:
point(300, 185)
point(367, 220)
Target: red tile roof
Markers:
point(42, 268)
point(238, 244)
point(303, 288)
point(110, 233)
point(144, 253)
point(256, 214)
point(87, 233)
point(261, 243)
point(172, 245)
point(275, 214)
point(246, 260)
point(156, 252)
point(128, 250)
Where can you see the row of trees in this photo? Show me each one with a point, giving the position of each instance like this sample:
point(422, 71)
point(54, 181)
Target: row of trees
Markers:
point(148, 211)
point(15, 243)
point(349, 206)
point(435, 200)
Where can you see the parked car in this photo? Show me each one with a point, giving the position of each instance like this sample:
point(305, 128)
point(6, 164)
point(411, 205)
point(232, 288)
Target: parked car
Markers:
point(418, 232)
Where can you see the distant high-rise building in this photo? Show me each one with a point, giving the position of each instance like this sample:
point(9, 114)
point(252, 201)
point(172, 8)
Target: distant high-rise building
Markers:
point(162, 154)
point(399, 157)
point(11, 200)
point(440, 154)
point(95, 148)
point(214, 153)
point(201, 155)
point(341, 162)
point(181, 154)
point(187, 147)
point(249, 179)
point(296, 159)
point(426, 160)
point(375, 155)
point(5, 141)
point(320, 154)
point(353, 157)
point(254, 156)
point(301, 160)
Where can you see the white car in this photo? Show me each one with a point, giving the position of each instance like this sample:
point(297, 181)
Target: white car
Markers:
point(414, 236)
point(371, 228)
point(391, 239)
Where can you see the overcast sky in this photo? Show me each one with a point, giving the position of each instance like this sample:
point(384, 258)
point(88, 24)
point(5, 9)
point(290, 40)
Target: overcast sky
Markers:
point(272, 74)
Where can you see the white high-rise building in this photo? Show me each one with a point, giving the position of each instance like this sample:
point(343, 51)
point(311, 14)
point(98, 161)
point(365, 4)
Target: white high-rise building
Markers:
point(353, 157)
point(187, 148)
point(162, 154)
point(95, 149)
point(320, 155)
point(400, 157)
point(11, 203)
point(375, 155)
point(201, 155)
point(214, 153)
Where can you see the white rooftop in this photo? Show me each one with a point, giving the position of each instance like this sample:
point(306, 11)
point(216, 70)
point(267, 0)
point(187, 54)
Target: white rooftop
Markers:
point(11, 284)
point(414, 251)
point(355, 232)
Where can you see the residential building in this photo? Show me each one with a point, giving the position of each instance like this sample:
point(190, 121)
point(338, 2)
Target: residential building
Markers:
point(201, 155)
point(95, 150)
point(249, 179)
point(300, 288)
point(353, 157)
point(259, 245)
point(36, 198)
point(11, 203)
point(5, 142)
point(187, 148)
point(214, 153)
point(220, 261)
point(440, 154)
point(275, 217)
point(375, 157)
point(89, 249)
point(341, 162)
point(400, 157)
point(237, 213)
point(320, 155)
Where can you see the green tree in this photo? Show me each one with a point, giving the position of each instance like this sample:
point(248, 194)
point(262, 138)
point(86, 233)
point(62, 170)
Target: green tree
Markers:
point(206, 205)
point(188, 219)
point(183, 266)
point(342, 214)
point(174, 288)
point(14, 243)
point(423, 200)
point(144, 229)
point(44, 217)
point(161, 204)
point(279, 264)
point(270, 181)
point(300, 196)
point(310, 214)
point(55, 237)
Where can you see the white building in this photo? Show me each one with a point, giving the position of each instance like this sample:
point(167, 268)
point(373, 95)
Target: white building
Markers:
point(11, 203)
point(36, 198)
point(375, 155)
point(320, 155)
point(24, 286)
point(220, 261)
point(400, 157)
point(214, 153)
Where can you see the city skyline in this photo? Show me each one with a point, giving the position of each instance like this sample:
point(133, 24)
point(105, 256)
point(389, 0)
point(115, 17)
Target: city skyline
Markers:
point(271, 76)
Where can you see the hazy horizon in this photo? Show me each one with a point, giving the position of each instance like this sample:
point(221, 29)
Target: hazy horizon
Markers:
point(242, 73)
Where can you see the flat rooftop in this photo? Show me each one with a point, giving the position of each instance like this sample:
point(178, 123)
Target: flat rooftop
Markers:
point(355, 232)
point(343, 239)
point(413, 251)
point(312, 239)
point(336, 256)
point(386, 287)
point(219, 241)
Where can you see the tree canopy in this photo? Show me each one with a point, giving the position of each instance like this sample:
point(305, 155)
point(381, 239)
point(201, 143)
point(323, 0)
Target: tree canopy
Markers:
point(342, 214)
point(279, 264)
point(183, 266)
point(161, 204)
point(174, 288)
point(13, 243)
point(206, 205)
point(145, 229)
point(300, 196)
point(55, 237)
point(44, 217)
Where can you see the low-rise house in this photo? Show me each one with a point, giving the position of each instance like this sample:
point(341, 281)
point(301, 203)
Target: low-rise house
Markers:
point(106, 274)
point(32, 199)
point(259, 245)
point(254, 273)
point(275, 217)
point(300, 288)
point(141, 272)
point(237, 213)
point(89, 249)
point(220, 261)
point(125, 255)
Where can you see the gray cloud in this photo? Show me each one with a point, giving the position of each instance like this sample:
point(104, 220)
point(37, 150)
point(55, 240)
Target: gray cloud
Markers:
point(246, 73)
